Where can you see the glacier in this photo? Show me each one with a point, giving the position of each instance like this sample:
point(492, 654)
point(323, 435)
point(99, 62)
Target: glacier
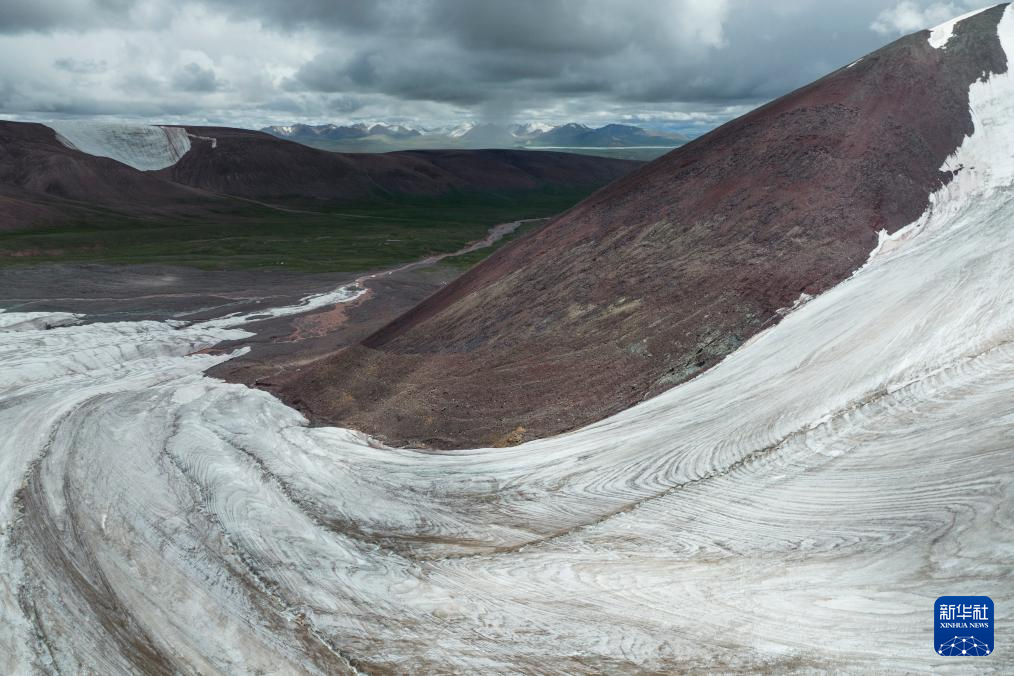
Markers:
point(144, 147)
point(796, 508)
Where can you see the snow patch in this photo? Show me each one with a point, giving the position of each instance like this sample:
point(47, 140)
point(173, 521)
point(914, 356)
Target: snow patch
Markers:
point(35, 321)
point(531, 129)
point(343, 294)
point(144, 147)
point(461, 129)
point(210, 139)
point(941, 35)
point(803, 299)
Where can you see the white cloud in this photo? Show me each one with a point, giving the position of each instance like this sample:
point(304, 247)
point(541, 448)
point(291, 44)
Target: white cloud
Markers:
point(701, 21)
point(908, 16)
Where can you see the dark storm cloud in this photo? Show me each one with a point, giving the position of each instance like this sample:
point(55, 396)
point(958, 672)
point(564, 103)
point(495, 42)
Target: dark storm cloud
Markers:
point(698, 60)
point(535, 26)
point(429, 76)
point(463, 51)
point(459, 51)
point(44, 15)
point(194, 78)
point(81, 66)
point(321, 14)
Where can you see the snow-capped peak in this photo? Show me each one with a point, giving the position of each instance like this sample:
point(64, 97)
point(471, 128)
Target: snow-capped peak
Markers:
point(461, 129)
point(531, 129)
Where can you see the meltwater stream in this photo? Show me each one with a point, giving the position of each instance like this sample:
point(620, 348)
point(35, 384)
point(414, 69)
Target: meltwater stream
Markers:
point(798, 507)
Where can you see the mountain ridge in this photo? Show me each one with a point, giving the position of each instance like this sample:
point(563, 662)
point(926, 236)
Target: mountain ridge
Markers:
point(45, 179)
point(472, 135)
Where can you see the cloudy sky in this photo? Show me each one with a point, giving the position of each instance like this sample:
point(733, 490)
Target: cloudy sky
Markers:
point(686, 63)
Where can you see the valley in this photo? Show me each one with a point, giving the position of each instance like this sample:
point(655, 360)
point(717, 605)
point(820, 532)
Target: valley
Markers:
point(243, 199)
point(301, 237)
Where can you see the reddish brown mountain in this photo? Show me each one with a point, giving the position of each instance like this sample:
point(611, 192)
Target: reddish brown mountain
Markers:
point(666, 271)
point(253, 164)
point(44, 182)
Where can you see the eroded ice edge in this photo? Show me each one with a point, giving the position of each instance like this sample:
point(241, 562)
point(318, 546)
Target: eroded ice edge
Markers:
point(942, 34)
point(144, 147)
point(799, 506)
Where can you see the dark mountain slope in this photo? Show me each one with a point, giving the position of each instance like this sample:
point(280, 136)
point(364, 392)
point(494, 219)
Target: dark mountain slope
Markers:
point(255, 165)
point(663, 273)
point(42, 181)
point(432, 171)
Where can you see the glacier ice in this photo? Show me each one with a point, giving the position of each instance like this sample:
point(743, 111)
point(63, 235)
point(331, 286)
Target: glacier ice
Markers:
point(144, 147)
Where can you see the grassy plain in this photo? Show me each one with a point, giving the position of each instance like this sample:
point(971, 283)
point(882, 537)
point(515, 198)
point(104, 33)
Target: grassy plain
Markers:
point(298, 236)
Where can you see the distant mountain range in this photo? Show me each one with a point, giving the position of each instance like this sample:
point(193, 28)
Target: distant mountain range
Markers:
point(382, 138)
point(333, 132)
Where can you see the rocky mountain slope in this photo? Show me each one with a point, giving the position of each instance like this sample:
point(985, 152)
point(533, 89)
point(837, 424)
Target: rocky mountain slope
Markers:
point(662, 274)
point(256, 165)
point(51, 178)
point(42, 181)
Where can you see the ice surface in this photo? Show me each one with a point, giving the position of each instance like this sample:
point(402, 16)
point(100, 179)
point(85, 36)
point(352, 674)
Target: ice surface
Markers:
point(796, 508)
point(145, 147)
point(32, 321)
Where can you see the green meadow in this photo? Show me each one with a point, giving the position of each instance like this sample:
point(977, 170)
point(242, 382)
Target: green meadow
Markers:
point(297, 236)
